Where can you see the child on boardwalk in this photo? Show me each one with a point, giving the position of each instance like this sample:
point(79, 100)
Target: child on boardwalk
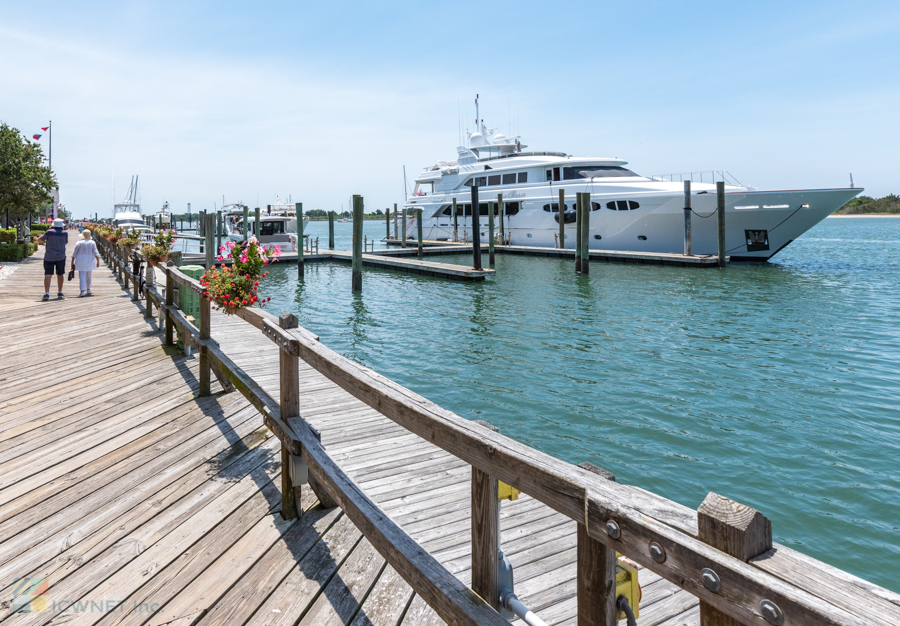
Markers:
point(84, 257)
point(56, 239)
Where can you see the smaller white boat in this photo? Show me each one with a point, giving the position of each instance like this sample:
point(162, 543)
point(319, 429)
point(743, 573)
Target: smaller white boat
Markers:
point(275, 228)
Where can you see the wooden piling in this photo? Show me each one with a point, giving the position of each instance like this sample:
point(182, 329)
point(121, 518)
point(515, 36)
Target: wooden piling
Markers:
point(585, 232)
point(476, 230)
point(687, 218)
point(357, 242)
point(300, 260)
point(220, 230)
point(419, 231)
point(562, 221)
point(455, 223)
point(244, 227)
point(596, 573)
point(331, 230)
point(720, 214)
point(387, 223)
point(490, 233)
point(500, 214)
point(396, 231)
point(256, 222)
point(579, 215)
point(403, 225)
point(289, 403)
point(737, 530)
point(209, 225)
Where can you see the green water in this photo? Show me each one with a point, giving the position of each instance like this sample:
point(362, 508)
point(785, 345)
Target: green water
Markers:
point(774, 384)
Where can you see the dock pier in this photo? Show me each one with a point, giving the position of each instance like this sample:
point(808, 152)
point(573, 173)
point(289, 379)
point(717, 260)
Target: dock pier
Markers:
point(124, 479)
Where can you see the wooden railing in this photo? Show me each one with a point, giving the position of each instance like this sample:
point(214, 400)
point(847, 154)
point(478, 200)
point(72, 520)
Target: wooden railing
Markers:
point(722, 553)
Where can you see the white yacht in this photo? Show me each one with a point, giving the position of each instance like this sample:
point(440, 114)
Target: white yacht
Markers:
point(629, 211)
point(127, 214)
point(277, 224)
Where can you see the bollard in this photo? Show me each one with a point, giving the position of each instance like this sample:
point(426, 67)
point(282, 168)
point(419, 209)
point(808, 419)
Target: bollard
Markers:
point(687, 218)
point(387, 223)
point(246, 221)
point(357, 242)
point(476, 230)
point(300, 259)
point(419, 229)
point(455, 223)
point(562, 222)
point(720, 211)
point(585, 232)
point(331, 230)
point(490, 233)
point(403, 224)
point(256, 222)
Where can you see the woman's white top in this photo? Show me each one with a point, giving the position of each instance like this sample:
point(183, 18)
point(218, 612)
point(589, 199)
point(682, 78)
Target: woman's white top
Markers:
point(84, 254)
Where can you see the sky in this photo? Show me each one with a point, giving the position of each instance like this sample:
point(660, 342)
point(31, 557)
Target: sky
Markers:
point(319, 101)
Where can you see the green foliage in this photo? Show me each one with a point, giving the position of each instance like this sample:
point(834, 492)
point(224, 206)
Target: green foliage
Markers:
point(860, 205)
point(25, 182)
point(11, 252)
point(40, 227)
point(36, 233)
point(29, 248)
point(7, 235)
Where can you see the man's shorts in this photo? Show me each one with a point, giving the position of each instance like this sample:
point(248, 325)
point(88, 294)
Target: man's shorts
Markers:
point(59, 265)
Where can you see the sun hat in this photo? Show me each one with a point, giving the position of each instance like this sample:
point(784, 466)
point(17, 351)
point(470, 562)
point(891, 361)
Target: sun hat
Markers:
point(58, 223)
point(86, 233)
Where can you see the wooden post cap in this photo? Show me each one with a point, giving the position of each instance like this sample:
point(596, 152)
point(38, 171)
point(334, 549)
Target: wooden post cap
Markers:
point(288, 320)
point(733, 528)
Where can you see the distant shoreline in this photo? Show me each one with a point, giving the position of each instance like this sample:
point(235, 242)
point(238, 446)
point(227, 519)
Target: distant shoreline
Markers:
point(868, 215)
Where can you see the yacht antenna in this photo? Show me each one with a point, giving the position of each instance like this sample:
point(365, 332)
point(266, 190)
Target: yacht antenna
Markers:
point(477, 127)
point(851, 181)
point(405, 197)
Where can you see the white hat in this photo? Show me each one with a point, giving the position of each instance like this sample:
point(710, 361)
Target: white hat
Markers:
point(59, 223)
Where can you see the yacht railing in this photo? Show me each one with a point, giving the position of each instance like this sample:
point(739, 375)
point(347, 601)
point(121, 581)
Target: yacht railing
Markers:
point(708, 176)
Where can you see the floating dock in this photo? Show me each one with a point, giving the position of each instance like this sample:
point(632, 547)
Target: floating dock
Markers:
point(138, 479)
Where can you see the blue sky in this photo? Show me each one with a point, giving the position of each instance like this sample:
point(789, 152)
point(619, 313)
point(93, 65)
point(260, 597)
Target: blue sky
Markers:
point(324, 100)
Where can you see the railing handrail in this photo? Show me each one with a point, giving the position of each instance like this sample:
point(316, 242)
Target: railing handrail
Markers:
point(805, 590)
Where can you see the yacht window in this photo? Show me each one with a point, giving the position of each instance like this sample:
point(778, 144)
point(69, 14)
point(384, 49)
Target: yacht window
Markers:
point(512, 208)
point(623, 205)
point(267, 228)
point(554, 208)
point(494, 180)
point(424, 188)
point(549, 174)
point(448, 210)
point(523, 177)
point(509, 179)
point(595, 171)
point(477, 181)
point(466, 209)
point(595, 206)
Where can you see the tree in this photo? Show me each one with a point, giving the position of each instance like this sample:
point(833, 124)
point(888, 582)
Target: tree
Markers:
point(25, 182)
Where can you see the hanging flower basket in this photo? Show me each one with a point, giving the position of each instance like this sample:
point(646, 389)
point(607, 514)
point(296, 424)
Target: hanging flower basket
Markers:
point(231, 288)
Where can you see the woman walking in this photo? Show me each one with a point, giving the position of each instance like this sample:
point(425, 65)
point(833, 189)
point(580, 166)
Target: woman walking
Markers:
point(84, 258)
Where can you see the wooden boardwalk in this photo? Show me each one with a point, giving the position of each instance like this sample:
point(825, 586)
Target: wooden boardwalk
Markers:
point(143, 504)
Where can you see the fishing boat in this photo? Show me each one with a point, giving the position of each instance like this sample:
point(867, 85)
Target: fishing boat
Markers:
point(629, 211)
point(127, 214)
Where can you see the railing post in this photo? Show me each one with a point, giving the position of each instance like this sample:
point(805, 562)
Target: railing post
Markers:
point(135, 279)
point(149, 280)
point(289, 403)
point(738, 531)
point(170, 301)
point(204, 335)
point(596, 573)
point(485, 534)
point(720, 214)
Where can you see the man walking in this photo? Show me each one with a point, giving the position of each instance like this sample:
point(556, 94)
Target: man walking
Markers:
point(56, 239)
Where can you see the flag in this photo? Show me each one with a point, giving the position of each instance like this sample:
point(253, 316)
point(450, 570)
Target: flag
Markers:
point(36, 136)
point(44, 127)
